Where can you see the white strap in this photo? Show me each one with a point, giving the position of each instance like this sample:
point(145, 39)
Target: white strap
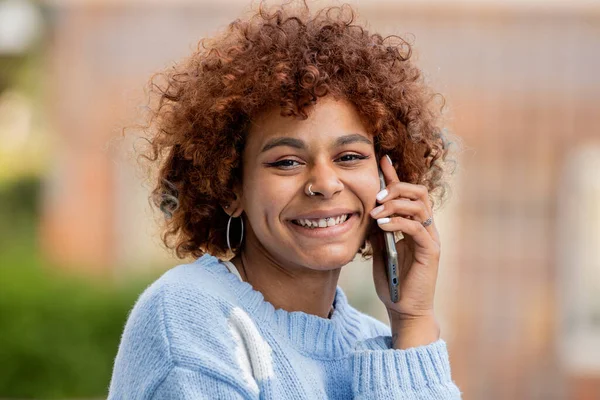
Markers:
point(232, 269)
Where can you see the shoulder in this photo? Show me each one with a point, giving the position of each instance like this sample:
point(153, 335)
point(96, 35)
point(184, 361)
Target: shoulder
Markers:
point(196, 301)
point(183, 312)
point(196, 288)
point(190, 284)
point(180, 321)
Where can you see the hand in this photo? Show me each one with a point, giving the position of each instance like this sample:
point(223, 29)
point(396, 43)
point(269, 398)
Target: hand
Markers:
point(406, 206)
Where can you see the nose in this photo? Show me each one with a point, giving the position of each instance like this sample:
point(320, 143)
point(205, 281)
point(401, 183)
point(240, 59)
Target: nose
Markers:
point(325, 180)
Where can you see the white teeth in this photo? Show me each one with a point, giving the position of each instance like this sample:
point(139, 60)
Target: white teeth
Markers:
point(323, 222)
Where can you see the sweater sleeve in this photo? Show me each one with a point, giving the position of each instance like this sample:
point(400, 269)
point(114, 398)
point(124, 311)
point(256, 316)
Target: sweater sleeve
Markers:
point(182, 383)
point(147, 368)
point(381, 372)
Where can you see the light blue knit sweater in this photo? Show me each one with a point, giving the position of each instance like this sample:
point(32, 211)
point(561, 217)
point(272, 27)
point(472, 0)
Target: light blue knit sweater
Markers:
point(199, 332)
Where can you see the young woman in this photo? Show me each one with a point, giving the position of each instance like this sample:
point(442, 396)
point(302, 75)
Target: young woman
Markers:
point(268, 142)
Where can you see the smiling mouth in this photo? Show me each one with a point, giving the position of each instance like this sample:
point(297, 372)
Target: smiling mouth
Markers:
point(322, 222)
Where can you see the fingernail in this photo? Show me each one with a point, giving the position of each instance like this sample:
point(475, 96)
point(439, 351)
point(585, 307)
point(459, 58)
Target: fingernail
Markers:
point(389, 159)
point(376, 210)
point(382, 221)
point(381, 195)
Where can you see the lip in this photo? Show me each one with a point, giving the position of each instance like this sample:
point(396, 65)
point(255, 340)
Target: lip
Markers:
point(328, 232)
point(334, 212)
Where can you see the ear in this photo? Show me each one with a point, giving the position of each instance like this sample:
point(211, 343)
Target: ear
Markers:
point(235, 207)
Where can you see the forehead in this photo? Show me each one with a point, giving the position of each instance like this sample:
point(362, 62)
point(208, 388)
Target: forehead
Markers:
point(327, 120)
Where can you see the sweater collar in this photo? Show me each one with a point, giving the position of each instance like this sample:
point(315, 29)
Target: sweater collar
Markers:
point(319, 337)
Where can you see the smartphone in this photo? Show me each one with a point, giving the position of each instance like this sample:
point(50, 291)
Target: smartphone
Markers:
point(391, 256)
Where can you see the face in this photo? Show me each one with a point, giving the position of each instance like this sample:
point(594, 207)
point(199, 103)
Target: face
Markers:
point(330, 150)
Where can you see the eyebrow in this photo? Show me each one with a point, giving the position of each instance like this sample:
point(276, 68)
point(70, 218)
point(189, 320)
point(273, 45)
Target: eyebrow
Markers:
point(349, 139)
point(299, 144)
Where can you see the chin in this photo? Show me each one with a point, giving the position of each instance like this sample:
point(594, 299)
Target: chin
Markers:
point(329, 258)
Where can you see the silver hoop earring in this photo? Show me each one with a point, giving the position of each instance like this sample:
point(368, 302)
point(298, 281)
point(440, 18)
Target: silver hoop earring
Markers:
point(242, 236)
point(310, 191)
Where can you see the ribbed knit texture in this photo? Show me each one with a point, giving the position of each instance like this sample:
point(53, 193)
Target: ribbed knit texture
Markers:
point(198, 332)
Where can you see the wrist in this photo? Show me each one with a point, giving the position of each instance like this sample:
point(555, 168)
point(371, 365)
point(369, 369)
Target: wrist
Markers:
point(407, 333)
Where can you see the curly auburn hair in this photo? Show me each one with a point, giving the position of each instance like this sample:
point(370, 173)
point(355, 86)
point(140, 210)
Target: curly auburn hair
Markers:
point(280, 57)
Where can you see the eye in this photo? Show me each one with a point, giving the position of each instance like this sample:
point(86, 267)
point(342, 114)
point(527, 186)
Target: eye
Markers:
point(352, 157)
point(284, 164)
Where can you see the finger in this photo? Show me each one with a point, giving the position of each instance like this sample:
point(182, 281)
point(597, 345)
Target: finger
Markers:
point(404, 207)
point(389, 172)
point(415, 229)
point(415, 210)
point(397, 189)
point(405, 190)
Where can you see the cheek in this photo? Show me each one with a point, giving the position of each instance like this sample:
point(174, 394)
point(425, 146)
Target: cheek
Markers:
point(367, 187)
point(266, 197)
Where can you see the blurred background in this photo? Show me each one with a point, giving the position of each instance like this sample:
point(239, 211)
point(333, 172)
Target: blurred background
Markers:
point(519, 288)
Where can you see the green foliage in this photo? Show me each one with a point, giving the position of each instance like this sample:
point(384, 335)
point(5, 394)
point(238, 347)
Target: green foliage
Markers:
point(59, 337)
point(58, 334)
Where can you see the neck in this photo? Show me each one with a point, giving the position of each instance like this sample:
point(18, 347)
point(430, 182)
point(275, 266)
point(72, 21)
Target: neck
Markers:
point(289, 287)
